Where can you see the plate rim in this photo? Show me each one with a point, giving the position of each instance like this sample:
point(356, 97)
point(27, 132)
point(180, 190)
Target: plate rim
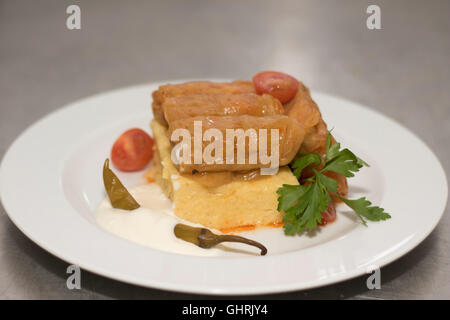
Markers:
point(201, 289)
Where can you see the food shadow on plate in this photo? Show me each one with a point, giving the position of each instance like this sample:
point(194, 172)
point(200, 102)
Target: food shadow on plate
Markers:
point(350, 214)
point(231, 249)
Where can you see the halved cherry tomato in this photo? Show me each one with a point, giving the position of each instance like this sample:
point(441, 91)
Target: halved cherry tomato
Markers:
point(277, 84)
point(132, 151)
point(328, 215)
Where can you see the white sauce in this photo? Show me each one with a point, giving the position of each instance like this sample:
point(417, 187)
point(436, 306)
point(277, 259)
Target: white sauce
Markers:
point(150, 225)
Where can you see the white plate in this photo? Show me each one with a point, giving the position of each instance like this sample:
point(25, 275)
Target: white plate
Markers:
point(51, 184)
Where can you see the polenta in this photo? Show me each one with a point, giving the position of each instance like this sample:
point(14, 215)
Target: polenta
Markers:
point(224, 200)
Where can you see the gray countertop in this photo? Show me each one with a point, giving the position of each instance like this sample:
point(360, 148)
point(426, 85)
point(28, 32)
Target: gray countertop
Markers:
point(402, 70)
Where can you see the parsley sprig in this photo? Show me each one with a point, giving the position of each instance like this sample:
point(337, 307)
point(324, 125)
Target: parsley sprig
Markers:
point(303, 204)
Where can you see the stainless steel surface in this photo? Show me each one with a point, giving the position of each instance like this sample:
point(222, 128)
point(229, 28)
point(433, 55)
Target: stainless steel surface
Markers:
point(402, 70)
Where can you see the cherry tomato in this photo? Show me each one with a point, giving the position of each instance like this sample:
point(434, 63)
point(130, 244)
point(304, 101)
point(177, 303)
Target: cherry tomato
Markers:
point(277, 84)
point(132, 151)
point(328, 215)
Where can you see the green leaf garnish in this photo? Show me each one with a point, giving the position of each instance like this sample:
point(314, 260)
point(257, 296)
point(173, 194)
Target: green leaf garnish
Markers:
point(343, 162)
point(363, 209)
point(304, 161)
point(303, 204)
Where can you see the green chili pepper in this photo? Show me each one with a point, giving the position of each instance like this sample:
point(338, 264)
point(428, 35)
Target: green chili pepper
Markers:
point(118, 195)
point(204, 238)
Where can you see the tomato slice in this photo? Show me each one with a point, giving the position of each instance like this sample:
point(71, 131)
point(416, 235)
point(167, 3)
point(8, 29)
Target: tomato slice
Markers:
point(279, 85)
point(132, 151)
point(328, 215)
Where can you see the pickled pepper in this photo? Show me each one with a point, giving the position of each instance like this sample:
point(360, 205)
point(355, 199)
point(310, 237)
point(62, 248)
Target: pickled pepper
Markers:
point(204, 238)
point(118, 195)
